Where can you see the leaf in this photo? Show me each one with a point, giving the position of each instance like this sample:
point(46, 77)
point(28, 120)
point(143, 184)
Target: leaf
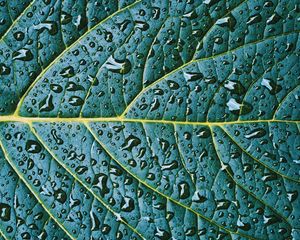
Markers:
point(149, 119)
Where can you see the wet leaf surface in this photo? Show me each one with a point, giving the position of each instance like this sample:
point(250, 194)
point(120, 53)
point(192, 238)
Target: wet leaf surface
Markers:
point(152, 119)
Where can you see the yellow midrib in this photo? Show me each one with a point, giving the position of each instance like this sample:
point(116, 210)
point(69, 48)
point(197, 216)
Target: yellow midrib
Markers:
point(15, 118)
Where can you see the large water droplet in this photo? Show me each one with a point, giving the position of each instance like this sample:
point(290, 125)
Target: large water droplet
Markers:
point(60, 196)
point(192, 76)
point(118, 66)
point(73, 87)
point(65, 18)
point(67, 72)
point(184, 190)
point(19, 36)
point(228, 21)
point(123, 25)
point(254, 19)
point(130, 142)
point(56, 88)
point(4, 70)
point(76, 101)
point(238, 108)
point(47, 25)
point(5, 211)
point(271, 86)
point(256, 133)
point(127, 204)
point(23, 54)
point(33, 146)
point(170, 166)
point(274, 18)
point(46, 105)
point(235, 87)
point(142, 25)
point(100, 182)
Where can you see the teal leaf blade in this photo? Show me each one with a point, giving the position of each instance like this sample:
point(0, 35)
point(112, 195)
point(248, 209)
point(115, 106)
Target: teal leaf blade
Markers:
point(161, 119)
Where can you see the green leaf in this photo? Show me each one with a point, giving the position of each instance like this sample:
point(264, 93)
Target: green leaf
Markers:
point(149, 119)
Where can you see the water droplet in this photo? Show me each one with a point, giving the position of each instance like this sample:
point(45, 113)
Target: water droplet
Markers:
point(33, 146)
point(170, 166)
point(105, 229)
point(268, 220)
point(56, 88)
point(242, 225)
point(292, 196)
point(76, 101)
point(184, 190)
point(95, 221)
point(235, 87)
point(173, 85)
point(203, 133)
point(254, 19)
point(229, 22)
point(4, 70)
point(123, 25)
point(223, 204)
point(192, 76)
point(5, 211)
point(46, 105)
point(256, 133)
point(127, 204)
point(118, 66)
point(118, 128)
point(155, 13)
point(130, 142)
point(67, 72)
point(271, 86)
point(81, 170)
point(73, 87)
point(191, 15)
point(199, 198)
point(269, 177)
point(47, 25)
point(210, 2)
point(274, 18)
point(23, 54)
point(190, 231)
point(60, 196)
point(238, 108)
point(81, 22)
point(19, 36)
point(30, 164)
point(100, 182)
point(142, 25)
point(162, 234)
point(65, 18)
point(154, 105)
